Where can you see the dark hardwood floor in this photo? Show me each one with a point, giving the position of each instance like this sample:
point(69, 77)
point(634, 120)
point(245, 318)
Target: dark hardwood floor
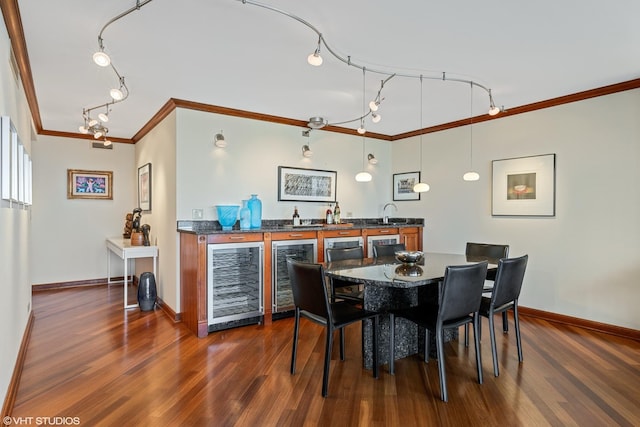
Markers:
point(89, 358)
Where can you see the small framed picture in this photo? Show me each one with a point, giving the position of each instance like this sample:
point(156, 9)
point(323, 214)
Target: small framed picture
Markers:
point(83, 184)
point(403, 186)
point(144, 187)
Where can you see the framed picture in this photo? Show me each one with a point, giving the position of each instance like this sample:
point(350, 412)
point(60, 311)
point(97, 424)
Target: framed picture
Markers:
point(144, 187)
point(403, 186)
point(524, 186)
point(306, 185)
point(83, 184)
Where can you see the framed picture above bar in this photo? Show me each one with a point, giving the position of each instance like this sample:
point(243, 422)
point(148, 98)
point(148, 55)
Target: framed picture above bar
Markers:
point(306, 185)
point(144, 187)
point(403, 186)
point(524, 186)
point(83, 184)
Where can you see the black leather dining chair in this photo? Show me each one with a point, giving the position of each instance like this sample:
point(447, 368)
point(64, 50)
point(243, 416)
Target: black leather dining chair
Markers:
point(491, 252)
point(459, 302)
point(504, 297)
point(312, 301)
point(387, 250)
point(343, 289)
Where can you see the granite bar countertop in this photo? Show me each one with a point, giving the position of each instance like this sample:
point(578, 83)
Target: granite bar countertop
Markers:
point(271, 225)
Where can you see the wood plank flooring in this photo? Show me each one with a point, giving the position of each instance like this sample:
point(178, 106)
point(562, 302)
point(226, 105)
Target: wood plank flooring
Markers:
point(89, 358)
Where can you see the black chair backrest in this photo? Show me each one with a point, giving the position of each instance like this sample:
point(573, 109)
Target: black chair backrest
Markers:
point(339, 254)
point(509, 280)
point(307, 286)
point(387, 250)
point(487, 250)
point(462, 290)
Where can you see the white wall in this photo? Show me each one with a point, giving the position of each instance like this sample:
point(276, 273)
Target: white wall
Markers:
point(158, 147)
point(208, 175)
point(15, 289)
point(584, 262)
point(68, 235)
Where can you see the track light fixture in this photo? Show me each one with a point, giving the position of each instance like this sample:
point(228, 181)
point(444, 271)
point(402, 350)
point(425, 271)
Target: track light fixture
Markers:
point(315, 59)
point(219, 141)
point(306, 151)
point(372, 159)
point(375, 118)
point(119, 94)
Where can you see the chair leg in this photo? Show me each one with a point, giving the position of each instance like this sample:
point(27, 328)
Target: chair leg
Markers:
point(392, 344)
point(516, 322)
point(494, 349)
point(505, 322)
point(375, 347)
point(476, 339)
point(440, 350)
point(466, 335)
point(342, 344)
point(294, 351)
point(327, 360)
point(427, 345)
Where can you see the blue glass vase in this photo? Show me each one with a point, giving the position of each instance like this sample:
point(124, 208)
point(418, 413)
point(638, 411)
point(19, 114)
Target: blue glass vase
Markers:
point(227, 215)
point(245, 216)
point(255, 206)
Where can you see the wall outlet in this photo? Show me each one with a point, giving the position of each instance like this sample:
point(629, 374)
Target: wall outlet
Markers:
point(196, 214)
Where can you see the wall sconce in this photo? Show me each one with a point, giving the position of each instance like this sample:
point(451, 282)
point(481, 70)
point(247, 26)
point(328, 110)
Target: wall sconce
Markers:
point(372, 159)
point(219, 140)
point(306, 151)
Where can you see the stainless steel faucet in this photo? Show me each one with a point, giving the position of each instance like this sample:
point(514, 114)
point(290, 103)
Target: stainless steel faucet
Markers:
point(385, 218)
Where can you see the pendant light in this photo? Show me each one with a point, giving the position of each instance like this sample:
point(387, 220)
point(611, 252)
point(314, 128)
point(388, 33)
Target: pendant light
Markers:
point(421, 187)
point(471, 175)
point(363, 176)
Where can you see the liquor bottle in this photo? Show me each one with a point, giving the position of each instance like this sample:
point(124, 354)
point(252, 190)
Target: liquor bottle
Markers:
point(296, 217)
point(336, 214)
point(329, 217)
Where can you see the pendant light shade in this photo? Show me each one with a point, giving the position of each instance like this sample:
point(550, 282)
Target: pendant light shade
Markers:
point(421, 187)
point(471, 175)
point(363, 176)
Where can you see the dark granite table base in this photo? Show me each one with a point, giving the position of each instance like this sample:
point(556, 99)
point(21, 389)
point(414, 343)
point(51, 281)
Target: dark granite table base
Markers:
point(409, 339)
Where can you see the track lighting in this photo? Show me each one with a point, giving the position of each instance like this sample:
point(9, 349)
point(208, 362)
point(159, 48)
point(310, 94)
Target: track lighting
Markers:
point(361, 130)
point(373, 105)
point(372, 159)
point(493, 110)
point(317, 122)
point(375, 118)
point(219, 141)
point(306, 151)
point(100, 57)
point(103, 117)
point(315, 59)
point(106, 142)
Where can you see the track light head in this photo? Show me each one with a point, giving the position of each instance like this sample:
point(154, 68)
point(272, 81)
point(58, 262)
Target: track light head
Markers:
point(373, 105)
point(101, 58)
point(375, 118)
point(372, 159)
point(116, 94)
point(219, 141)
point(315, 59)
point(306, 151)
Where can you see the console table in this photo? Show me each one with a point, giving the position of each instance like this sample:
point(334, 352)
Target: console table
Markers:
point(123, 249)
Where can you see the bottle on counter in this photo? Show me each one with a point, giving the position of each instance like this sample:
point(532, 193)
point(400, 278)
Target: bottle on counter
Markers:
point(329, 216)
point(296, 217)
point(336, 214)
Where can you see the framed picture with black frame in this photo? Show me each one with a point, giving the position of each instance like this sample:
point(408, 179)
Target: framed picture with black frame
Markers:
point(403, 186)
point(306, 185)
point(144, 187)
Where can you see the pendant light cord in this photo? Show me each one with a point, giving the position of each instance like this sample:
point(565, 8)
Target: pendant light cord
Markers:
point(471, 130)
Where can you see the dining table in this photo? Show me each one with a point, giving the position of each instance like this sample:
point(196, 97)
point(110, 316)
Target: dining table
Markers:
point(389, 284)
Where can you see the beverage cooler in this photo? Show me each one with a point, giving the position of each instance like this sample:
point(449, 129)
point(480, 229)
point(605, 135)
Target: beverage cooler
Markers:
point(386, 239)
point(234, 284)
point(281, 295)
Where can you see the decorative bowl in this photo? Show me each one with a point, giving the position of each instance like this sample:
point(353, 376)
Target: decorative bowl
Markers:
point(409, 257)
point(227, 215)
